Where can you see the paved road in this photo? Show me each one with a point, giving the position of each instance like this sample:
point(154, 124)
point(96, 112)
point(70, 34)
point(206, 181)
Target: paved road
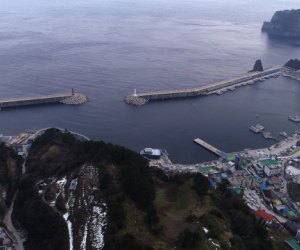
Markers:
point(10, 227)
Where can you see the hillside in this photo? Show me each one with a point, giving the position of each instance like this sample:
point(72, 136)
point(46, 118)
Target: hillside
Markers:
point(117, 202)
point(284, 24)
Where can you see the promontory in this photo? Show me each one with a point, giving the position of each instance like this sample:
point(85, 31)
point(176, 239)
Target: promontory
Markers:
point(284, 24)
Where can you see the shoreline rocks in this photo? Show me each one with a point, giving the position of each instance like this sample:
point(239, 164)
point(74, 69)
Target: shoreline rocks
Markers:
point(135, 100)
point(76, 99)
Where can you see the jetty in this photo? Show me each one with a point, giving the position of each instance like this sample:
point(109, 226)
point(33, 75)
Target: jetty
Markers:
point(243, 80)
point(210, 148)
point(72, 98)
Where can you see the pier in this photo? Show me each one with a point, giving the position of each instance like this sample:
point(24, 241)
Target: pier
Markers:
point(71, 98)
point(210, 148)
point(248, 78)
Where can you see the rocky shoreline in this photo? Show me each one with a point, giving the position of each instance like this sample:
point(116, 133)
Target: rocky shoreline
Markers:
point(76, 99)
point(284, 24)
point(135, 100)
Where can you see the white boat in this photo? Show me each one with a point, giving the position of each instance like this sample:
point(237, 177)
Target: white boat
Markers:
point(266, 135)
point(254, 129)
point(292, 118)
point(260, 127)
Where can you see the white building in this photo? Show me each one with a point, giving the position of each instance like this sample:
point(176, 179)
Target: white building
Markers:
point(271, 167)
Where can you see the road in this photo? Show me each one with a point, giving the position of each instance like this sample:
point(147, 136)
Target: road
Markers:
point(10, 227)
point(260, 205)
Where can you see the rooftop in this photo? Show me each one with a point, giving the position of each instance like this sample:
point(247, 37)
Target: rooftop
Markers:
point(293, 243)
point(230, 158)
point(270, 163)
point(292, 212)
point(203, 169)
point(262, 214)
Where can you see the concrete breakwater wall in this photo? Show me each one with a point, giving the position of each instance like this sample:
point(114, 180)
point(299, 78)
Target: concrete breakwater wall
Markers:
point(140, 99)
point(64, 98)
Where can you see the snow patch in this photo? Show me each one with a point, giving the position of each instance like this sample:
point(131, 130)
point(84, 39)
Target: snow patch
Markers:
point(66, 215)
point(214, 243)
point(61, 186)
point(96, 227)
point(205, 229)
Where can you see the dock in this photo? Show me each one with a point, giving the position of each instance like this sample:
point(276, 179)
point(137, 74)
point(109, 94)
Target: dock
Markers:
point(243, 80)
point(71, 98)
point(210, 148)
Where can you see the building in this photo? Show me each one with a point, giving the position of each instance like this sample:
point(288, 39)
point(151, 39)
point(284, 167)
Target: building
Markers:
point(259, 168)
point(293, 227)
point(251, 180)
point(293, 244)
point(291, 215)
point(237, 193)
point(151, 153)
point(271, 167)
point(268, 194)
point(298, 235)
point(263, 215)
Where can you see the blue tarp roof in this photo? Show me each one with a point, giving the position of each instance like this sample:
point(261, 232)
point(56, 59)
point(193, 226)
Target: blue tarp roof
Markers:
point(224, 175)
point(212, 184)
point(257, 177)
point(284, 210)
point(262, 186)
point(217, 175)
point(224, 154)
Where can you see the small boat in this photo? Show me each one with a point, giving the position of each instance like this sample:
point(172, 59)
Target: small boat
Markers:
point(284, 134)
point(254, 129)
point(292, 118)
point(266, 135)
point(260, 127)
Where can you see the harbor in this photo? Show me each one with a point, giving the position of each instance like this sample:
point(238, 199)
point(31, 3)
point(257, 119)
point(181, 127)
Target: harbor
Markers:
point(72, 99)
point(215, 88)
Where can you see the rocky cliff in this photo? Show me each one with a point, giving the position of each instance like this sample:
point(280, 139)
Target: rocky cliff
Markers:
point(293, 64)
point(284, 24)
point(257, 66)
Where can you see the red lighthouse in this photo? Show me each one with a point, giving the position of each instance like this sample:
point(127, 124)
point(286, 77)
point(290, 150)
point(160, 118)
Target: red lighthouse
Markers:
point(73, 92)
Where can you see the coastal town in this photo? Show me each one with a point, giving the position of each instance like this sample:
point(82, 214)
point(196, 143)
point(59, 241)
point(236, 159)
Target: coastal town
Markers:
point(267, 180)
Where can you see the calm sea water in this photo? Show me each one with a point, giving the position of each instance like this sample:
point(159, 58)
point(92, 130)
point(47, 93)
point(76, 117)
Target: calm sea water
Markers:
point(105, 49)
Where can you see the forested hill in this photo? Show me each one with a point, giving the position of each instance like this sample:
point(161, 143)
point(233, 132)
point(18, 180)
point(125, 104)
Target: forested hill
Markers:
point(140, 209)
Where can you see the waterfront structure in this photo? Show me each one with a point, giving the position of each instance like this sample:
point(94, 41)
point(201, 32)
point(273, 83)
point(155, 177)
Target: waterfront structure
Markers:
point(71, 98)
point(152, 153)
point(249, 78)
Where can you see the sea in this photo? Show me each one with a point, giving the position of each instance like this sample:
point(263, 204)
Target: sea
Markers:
point(107, 48)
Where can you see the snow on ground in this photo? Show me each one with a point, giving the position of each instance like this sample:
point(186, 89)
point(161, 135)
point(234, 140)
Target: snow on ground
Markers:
point(96, 221)
point(205, 229)
point(214, 243)
point(61, 186)
point(83, 243)
point(96, 227)
point(66, 215)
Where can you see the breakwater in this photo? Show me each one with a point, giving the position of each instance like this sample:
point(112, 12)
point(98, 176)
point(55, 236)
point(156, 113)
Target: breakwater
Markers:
point(74, 99)
point(217, 88)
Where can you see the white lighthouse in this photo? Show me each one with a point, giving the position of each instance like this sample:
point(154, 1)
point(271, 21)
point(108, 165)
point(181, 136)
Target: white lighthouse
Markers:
point(134, 92)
